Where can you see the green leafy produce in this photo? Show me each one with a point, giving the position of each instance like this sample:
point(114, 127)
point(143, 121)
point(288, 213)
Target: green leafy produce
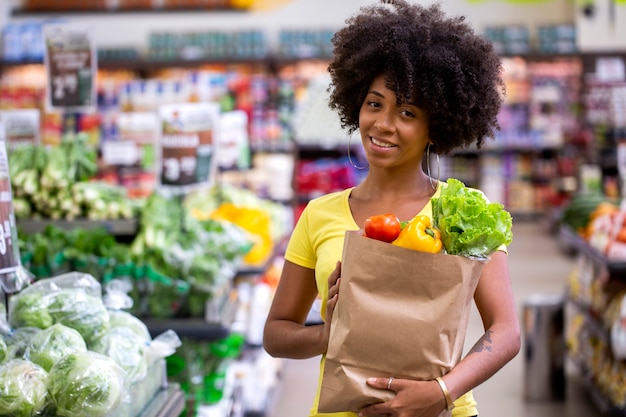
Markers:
point(22, 388)
point(18, 342)
point(127, 349)
point(469, 224)
point(576, 213)
point(81, 311)
point(86, 384)
point(50, 345)
point(29, 310)
point(120, 318)
point(4, 349)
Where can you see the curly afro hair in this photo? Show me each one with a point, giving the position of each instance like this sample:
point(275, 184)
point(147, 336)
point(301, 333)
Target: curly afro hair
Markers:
point(428, 59)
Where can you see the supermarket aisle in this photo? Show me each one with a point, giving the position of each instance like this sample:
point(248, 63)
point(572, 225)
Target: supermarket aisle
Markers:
point(537, 265)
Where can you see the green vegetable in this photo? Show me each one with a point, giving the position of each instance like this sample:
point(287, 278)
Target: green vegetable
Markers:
point(52, 344)
point(121, 318)
point(469, 224)
point(4, 349)
point(127, 349)
point(86, 384)
point(22, 388)
point(576, 213)
point(81, 311)
point(29, 310)
point(19, 341)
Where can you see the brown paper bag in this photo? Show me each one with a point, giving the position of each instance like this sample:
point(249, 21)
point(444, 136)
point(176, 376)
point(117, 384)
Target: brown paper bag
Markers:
point(401, 313)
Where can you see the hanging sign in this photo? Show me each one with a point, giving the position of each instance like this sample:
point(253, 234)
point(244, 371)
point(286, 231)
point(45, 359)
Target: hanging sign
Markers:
point(132, 153)
point(70, 60)
point(187, 144)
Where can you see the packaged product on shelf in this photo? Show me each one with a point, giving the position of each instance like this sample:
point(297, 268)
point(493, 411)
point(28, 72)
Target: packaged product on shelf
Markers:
point(95, 361)
point(24, 388)
point(72, 299)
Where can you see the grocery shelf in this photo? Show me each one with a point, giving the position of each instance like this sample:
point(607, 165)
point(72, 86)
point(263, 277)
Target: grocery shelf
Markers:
point(617, 269)
point(169, 402)
point(188, 328)
point(118, 227)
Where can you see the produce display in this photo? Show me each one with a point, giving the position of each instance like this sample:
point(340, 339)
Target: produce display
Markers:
point(600, 222)
point(180, 257)
point(56, 183)
point(58, 359)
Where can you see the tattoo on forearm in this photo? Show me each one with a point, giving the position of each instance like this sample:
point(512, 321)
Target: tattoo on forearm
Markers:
point(484, 344)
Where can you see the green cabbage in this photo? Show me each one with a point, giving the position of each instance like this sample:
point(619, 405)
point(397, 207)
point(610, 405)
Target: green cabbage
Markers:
point(22, 388)
point(470, 225)
point(86, 384)
point(53, 343)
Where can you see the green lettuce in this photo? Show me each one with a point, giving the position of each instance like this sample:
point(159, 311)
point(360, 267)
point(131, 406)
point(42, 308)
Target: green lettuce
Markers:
point(86, 384)
point(30, 310)
point(470, 225)
point(23, 390)
point(50, 345)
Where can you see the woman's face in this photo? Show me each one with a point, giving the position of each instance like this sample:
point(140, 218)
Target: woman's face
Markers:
point(392, 134)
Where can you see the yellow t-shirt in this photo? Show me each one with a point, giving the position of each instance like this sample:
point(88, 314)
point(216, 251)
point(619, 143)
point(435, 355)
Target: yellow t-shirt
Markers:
point(317, 243)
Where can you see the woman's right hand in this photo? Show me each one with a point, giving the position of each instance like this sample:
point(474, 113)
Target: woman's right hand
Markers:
point(333, 295)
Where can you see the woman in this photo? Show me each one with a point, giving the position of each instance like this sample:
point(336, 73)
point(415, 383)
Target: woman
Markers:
point(412, 81)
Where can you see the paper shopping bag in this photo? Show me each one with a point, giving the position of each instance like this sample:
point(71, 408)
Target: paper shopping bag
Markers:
point(400, 313)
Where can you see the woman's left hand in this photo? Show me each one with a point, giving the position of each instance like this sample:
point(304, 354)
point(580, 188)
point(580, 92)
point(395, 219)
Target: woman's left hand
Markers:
point(413, 399)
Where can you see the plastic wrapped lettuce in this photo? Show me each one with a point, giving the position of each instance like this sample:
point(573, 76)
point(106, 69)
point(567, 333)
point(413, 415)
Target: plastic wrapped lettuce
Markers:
point(52, 344)
point(470, 225)
point(127, 349)
point(29, 309)
point(18, 342)
point(23, 390)
point(87, 384)
point(73, 299)
point(133, 352)
point(79, 310)
point(120, 318)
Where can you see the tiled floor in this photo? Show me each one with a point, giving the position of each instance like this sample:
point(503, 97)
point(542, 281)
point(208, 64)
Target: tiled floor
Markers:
point(538, 265)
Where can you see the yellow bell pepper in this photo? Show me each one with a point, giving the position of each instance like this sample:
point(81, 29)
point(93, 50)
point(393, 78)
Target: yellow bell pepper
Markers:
point(420, 236)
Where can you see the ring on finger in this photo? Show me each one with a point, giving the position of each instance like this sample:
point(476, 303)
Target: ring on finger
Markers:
point(389, 383)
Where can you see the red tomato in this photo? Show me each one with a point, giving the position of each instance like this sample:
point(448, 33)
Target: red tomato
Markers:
point(385, 227)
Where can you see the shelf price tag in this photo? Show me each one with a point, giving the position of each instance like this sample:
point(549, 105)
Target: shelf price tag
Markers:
point(187, 145)
point(9, 253)
point(21, 127)
point(70, 61)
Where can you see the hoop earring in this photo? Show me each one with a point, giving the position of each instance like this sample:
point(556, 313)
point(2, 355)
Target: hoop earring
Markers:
point(430, 178)
point(360, 167)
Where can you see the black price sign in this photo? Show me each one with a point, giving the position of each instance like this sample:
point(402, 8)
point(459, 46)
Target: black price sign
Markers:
point(71, 67)
point(187, 148)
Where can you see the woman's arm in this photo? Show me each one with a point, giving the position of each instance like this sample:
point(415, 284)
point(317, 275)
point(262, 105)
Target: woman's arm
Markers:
point(286, 334)
point(501, 341)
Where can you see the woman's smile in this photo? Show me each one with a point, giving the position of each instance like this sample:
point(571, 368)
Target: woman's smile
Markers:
point(381, 144)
